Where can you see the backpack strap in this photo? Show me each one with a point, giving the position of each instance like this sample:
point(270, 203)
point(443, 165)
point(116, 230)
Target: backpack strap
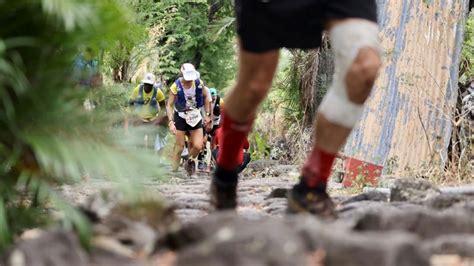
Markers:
point(153, 101)
point(180, 102)
point(140, 99)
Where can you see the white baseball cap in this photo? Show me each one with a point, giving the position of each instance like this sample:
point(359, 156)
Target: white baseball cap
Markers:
point(189, 72)
point(149, 79)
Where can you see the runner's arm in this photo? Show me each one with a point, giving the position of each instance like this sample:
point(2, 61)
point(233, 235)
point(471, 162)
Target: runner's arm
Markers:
point(160, 97)
point(169, 106)
point(207, 105)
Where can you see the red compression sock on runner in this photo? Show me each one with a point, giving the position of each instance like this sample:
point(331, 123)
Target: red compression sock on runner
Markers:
point(317, 168)
point(231, 144)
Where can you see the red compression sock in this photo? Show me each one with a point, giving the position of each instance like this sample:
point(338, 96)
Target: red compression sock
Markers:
point(317, 168)
point(231, 144)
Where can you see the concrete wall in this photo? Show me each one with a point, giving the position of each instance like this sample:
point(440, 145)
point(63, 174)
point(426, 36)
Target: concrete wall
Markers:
point(409, 114)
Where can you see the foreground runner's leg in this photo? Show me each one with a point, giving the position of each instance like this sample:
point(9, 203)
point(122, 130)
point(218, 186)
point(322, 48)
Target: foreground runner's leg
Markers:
point(256, 71)
point(357, 62)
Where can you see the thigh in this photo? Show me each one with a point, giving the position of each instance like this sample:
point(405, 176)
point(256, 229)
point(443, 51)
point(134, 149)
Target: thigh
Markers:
point(196, 136)
point(257, 68)
point(180, 137)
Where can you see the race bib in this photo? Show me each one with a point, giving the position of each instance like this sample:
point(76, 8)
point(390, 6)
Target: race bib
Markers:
point(193, 117)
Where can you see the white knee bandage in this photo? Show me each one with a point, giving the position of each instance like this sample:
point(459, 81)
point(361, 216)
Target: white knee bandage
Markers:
point(347, 39)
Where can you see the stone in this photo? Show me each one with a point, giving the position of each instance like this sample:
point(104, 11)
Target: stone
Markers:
point(278, 193)
point(276, 206)
point(461, 244)
point(413, 190)
point(446, 200)
point(238, 241)
point(260, 165)
point(189, 215)
point(367, 196)
point(50, 248)
point(426, 223)
point(228, 239)
point(99, 256)
point(192, 201)
point(136, 236)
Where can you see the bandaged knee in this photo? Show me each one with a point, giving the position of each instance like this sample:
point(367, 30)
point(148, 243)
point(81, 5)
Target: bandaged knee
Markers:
point(347, 39)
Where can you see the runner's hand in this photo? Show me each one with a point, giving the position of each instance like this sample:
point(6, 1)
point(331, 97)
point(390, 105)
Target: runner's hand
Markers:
point(207, 121)
point(172, 127)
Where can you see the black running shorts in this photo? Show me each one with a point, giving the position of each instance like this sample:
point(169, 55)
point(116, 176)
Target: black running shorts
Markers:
point(265, 25)
point(181, 125)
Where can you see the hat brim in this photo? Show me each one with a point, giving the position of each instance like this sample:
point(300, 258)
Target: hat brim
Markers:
point(191, 75)
point(148, 82)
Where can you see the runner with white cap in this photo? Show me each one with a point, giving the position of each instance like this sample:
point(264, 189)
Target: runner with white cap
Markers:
point(187, 97)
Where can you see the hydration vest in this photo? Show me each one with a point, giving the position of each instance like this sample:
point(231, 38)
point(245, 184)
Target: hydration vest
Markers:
point(180, 103)
point(140, 101)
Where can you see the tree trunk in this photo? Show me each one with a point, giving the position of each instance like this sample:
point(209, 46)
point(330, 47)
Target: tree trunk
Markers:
point(124, 70)
point(315, 80)
point(116, 74)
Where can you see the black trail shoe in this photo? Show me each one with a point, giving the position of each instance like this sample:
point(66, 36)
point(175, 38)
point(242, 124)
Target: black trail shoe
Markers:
point(302, 199)
point(224, 189)
point(190, 167)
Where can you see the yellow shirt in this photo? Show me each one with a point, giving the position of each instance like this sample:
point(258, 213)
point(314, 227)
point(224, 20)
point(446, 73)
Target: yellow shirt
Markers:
point(146, 111)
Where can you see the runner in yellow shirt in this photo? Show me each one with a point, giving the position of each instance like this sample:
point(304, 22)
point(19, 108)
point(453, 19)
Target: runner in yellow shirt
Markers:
point(146, 102)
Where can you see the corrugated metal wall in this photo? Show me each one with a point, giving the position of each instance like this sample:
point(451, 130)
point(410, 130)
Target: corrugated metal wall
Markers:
point(409, 113)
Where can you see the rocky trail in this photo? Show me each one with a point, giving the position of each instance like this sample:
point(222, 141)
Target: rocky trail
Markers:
point(411, 222)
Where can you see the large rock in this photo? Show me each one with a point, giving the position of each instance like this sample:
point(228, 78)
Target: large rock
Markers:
point(447, 200)
point(129, 226)
point(227, 239)
point(136, 236)
point(462, 245)
point(260, 165)
point(413, 190)
point(354, 210)
point(50, 248)
point(426, 223)
point(367, 196)
point(99, 256)
point(344, 247)
point(246, 242)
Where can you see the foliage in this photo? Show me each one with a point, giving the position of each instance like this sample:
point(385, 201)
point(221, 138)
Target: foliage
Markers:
point(259, 147)
point(289, 83)
point(111, 101)
point(46, 138)
point(467, 57)
point(304, 81)
point(199, 32)
point(119, 57)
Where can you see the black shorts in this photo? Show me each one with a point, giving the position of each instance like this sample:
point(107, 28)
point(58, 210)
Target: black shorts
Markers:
point(181, 125)
point(265, 25)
